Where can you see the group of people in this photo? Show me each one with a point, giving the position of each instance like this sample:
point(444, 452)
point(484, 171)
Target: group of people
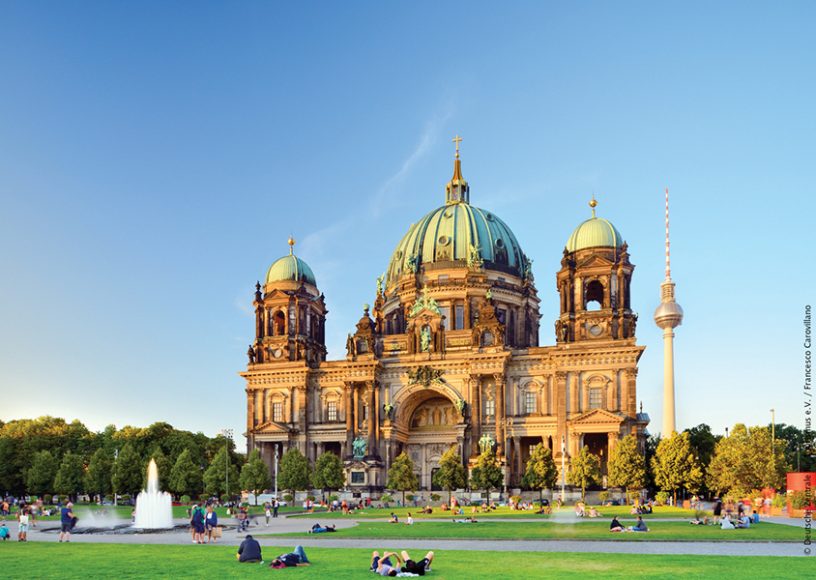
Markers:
point(581, 511)
point(395, 520)
point(392, 564)
point(249, 552)
point(204, 524)
point(640, 526)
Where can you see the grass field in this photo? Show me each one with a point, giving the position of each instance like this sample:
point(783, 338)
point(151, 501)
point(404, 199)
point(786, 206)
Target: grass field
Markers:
point(52, 560)
point(547, 530)
point(501, 512)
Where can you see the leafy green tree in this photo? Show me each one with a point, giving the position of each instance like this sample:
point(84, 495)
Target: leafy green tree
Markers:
point(451, 474)
point(255, 475)
point(487, 473)
point(40, 476)
point(127, 474)
point(70, 475)
point(294, 472)
point(98, 474)
point(702, 442)
point(744, 461)
point(584, 470)
point(627, 467)
point(540, 472)
point(185, 476)
point(675, 466)
point(328, 472)
point(215, 477)
point(401, 476)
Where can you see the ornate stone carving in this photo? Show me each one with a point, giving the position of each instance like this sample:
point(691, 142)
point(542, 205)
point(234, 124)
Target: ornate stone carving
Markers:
point(359, 447)
point(425, 376)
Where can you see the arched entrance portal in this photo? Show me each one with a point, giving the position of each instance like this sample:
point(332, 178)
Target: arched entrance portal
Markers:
point(432, 428)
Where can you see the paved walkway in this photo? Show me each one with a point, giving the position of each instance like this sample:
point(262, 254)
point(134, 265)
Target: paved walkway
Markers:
point(284, 525)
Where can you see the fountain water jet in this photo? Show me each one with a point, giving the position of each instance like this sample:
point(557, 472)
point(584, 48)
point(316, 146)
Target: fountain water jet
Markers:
point(154, 508)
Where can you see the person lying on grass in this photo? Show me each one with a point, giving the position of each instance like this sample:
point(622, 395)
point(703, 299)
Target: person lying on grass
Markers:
point(414, 567)
point(318, 529)
point(297, 557)
point(470, 520)
point(383, 565)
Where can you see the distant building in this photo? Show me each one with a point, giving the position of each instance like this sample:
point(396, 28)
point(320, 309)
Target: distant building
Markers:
point(448, 355)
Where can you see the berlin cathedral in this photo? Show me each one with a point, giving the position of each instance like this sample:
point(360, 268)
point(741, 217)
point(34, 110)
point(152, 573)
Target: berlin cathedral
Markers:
point(449, 353)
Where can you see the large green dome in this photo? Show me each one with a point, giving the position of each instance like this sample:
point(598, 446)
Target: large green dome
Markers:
point(448, 233)
point(290, 268)
point(593, 233)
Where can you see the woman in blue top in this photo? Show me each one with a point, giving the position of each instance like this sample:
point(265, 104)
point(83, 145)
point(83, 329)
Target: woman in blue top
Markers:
point(211, 522)
point(198, 525)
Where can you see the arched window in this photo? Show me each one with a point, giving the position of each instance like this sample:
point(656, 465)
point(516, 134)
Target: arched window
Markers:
point(594, 295)
point(279, 320)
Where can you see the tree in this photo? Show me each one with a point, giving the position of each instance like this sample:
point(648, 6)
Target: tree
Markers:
point(401, 476)
point(328, 472)
point(294, 472)
point(215, 478)
point(255, 475)
point(540, 472)
point(451, 473)
point(98, 475)
point(127, 471)
point(585, 470)
point(70, 476)
point(627, 467)
point(487, 473)
point(743, 461)
point(702, 442)
point(675, 466)
point(40, 476)
point(185, 476)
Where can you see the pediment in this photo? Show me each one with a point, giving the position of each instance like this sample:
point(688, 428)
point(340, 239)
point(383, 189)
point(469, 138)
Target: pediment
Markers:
point(426, 314)
point(597, 416)
point(271, 427)
point(596, 261)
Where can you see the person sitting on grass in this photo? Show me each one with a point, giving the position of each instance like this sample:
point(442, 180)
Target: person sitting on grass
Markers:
point(413, 567)
point(383, 565)
point(4, 532)
point(409, 520)
point(725, 523)
point(593, 513)
point(579, 510)
point(249, 552)
point(394, 519)
point(318, 529)
point(744, 522)
point(615, 525)
point(640, 526)
point(297, 557)
point(755, 518)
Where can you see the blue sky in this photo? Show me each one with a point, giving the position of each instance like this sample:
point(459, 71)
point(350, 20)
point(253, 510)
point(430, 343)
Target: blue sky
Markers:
point(155, 156)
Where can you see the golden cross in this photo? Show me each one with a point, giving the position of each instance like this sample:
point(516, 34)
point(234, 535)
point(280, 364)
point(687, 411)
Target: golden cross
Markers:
point(457, 140)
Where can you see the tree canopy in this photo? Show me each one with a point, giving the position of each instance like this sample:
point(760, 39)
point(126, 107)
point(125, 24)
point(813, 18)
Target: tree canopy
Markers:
point(540, 472)
point(627, 466)
point(585, 470)
point(294, 472)
point(401, 476)
point(451, 474)
point(675, 466)
point(487, 473)
point(328, 472)
point(255, 475)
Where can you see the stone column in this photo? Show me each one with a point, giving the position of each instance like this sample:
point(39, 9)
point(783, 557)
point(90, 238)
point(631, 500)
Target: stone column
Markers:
point(349, 404)
point(476, 414)
point(250, 410)
point(355, 403)
point(560, 396)
point(631, 392)
point(500, 413)
point(372, 413)
point(376, 412)
point(519, 459)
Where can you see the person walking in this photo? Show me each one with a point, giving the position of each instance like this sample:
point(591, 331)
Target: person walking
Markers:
point(275, 508)
point(267, 513)
point(23, 520)
point(67, 521)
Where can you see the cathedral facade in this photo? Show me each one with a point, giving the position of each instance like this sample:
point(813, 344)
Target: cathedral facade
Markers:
point(449, 354)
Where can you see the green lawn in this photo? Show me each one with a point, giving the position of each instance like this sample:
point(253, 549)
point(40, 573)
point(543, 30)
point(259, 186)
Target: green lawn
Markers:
point(591, 530)
point(502, 512)
point(53, 560)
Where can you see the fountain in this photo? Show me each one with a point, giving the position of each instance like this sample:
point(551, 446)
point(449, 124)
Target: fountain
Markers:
point(154, 508)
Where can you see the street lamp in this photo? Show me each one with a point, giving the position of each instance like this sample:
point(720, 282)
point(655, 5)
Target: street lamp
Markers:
point(563, 468)
point(227, 433)
point(276, 472)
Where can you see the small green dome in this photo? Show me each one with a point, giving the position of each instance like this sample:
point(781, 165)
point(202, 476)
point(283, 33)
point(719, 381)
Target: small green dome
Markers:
point(290, 268)
point(448, 233)
point(594, 233)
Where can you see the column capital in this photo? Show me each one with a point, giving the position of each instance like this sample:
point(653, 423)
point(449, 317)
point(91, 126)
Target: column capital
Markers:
point(631, 373)
point(560, 376)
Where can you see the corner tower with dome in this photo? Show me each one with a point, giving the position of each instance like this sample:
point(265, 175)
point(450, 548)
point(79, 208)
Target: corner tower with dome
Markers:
point(448, 355)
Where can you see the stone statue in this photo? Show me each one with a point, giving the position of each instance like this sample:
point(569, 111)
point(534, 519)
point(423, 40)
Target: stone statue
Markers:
point(486, 443)
point(380, 280)
point(564, 332)
point(461, 405)
point(425, 339)
point(359, 447)
point(389, 409)
point(350, 348)
point(489, 294)
point(251, 355)
point(474, 259)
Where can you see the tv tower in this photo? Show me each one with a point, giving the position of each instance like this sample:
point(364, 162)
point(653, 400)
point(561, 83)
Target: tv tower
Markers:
point(668, 316)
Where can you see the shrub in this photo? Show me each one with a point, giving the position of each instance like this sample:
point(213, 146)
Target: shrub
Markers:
point(288, 498)
point(661, 497)
point(310, 497)
point(185, 499)
point(124, 498)
point(335, 497)
point(108, 498)
point(47, 499)
point(799, 500)
point(410, 497)
point(386, 498)
point(604, 496)
point(225, 498)
point(435, 497)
